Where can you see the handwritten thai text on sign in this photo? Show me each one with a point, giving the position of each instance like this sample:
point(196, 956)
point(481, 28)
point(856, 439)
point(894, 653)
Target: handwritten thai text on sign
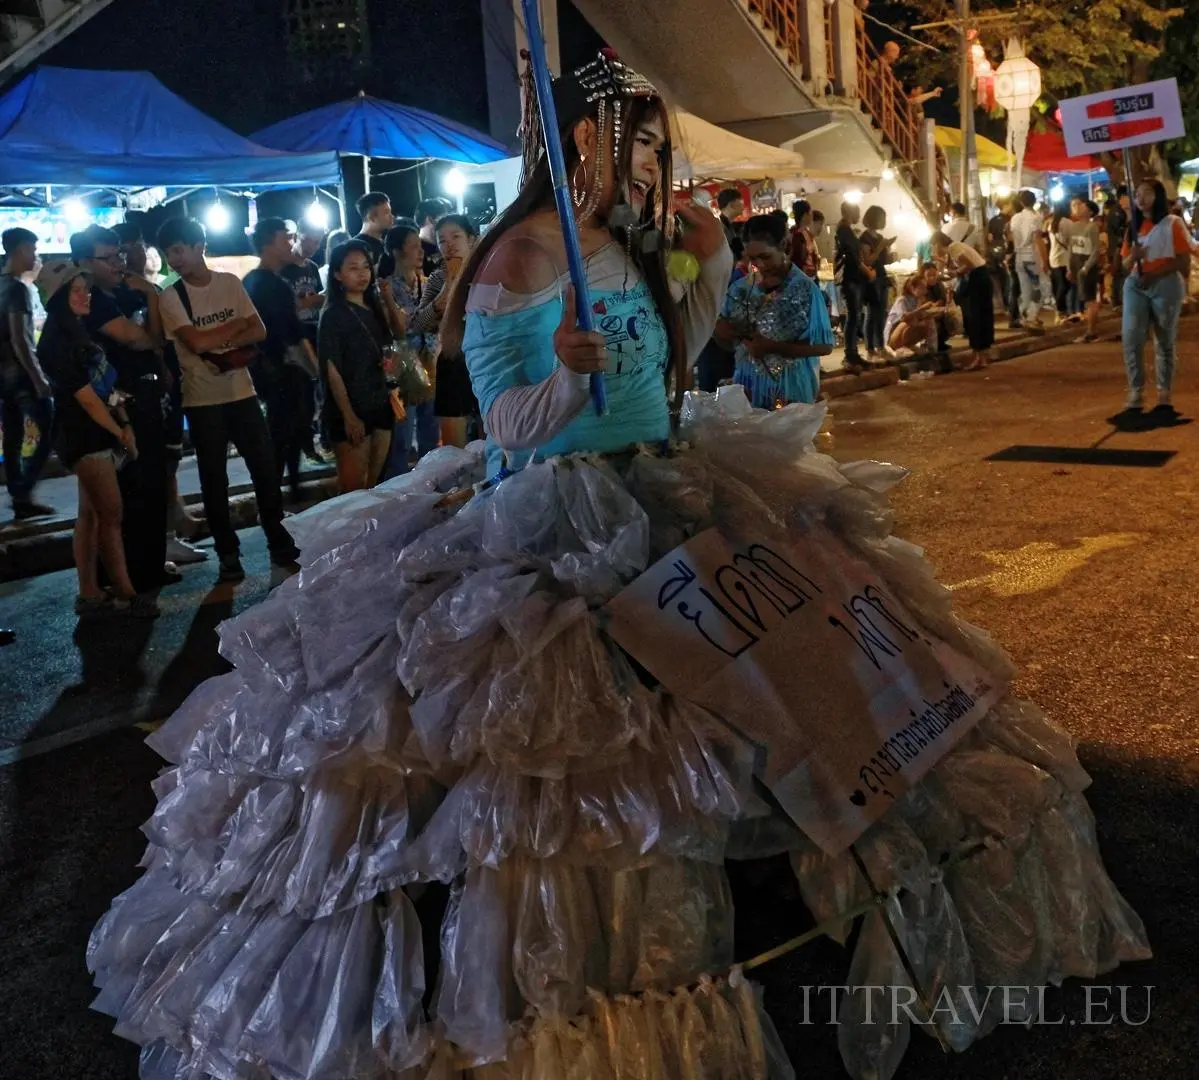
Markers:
point(1114, 119)
point(800, 647)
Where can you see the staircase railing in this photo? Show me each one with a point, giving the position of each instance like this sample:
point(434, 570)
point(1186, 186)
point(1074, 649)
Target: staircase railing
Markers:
point(780, 18)
point(879, 90)
point(887, 101)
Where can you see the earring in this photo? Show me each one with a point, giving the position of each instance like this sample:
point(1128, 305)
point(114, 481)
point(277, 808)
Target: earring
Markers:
point(578, 189)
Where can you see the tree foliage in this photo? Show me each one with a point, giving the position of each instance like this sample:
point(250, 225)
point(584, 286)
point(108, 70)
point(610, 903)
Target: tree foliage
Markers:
point(1081, 47)
point(1180, 59)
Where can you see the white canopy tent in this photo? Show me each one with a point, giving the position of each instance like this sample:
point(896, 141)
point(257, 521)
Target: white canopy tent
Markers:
point(703, 151)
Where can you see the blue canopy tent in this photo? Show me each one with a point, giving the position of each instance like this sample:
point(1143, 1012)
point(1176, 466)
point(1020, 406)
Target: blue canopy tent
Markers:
point(124, 129)
point(370, 127)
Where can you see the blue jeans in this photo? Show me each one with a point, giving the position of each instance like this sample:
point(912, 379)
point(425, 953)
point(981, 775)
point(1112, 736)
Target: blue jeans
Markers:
point(875, 297)
point(19, 402)
point(421, 421)
point(1158, 304)
point(1032, 290)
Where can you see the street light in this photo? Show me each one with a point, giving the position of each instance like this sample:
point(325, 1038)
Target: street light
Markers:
point(76, 213)
point(217, 218)
point(317, 216)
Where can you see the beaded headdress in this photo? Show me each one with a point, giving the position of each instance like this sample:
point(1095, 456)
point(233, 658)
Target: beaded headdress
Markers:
point(602, 86)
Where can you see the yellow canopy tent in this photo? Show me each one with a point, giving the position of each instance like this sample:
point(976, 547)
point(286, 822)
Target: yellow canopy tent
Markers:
point(990, 155)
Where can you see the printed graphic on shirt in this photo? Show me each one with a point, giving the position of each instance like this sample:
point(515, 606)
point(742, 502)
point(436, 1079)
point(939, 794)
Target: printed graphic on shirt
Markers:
point(214, 318)
point(635, 335)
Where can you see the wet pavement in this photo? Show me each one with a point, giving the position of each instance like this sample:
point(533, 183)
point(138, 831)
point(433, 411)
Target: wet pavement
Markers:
point(1082, 569)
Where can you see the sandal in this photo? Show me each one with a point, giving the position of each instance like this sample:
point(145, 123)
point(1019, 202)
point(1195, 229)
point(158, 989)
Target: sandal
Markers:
point(88, 606)
point(136, 607)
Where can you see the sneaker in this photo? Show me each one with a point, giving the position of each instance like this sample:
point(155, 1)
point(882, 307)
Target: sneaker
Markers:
point(182, 553)
point(1134, 401)
point(170, 574)
point(27, 508)
point(231, 569)
point(88, 606)
point(135, 607)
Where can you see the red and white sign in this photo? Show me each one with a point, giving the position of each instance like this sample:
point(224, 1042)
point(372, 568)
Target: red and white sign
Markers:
point(1114, 119)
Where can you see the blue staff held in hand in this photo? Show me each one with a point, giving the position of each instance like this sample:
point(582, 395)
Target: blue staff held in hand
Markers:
point(540, 68)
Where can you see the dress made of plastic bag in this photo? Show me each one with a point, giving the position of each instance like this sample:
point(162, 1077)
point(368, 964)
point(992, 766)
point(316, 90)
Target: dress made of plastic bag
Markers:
point(433, 698)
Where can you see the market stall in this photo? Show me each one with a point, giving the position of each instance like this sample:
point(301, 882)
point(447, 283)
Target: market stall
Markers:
point(125, 130)
point(703, 151)
point(369, 128)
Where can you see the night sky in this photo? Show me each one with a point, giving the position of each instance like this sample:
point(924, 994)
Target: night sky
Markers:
point(228, 57)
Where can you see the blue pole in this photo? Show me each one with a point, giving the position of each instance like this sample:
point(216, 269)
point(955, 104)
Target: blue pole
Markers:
point(557, 163)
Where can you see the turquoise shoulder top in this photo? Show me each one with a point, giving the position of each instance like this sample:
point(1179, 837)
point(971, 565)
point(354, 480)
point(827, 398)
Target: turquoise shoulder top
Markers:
point(515, 348)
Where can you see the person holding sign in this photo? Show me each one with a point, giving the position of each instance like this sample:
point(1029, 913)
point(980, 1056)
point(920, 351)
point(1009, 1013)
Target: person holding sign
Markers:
point(1157, 258)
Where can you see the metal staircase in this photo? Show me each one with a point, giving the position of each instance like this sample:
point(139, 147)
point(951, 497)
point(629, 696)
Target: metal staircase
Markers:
point(29, 27)
point(796, 73)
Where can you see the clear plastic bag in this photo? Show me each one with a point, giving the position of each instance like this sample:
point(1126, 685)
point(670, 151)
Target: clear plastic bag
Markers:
point(611, 532)
point(998, 908)
point(315, 1022)
point(125, 936)
point(830, 885)
point(1021, 729)
point(874, 1027)
point(161, 965)
point(555, 954)
point(676, 494)
point(728, 404)
point(998, 794)
point(165, 1010)
point(524, 520)
point(221, 1018)
point(474, 996)
point(400, 1034)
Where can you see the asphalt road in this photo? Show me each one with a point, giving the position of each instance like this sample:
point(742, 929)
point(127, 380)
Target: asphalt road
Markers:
point(1084, 572)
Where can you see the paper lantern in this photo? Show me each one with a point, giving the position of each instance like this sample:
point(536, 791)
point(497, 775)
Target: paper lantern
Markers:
point(1017, 87)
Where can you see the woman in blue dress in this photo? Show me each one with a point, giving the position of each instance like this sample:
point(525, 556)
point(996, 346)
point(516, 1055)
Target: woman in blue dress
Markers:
point(778, 320)
point(438, 699)
point(514, 299)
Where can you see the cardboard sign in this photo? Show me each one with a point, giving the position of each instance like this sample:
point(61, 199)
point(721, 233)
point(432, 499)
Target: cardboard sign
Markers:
point(1114, 119)
point(801, 648)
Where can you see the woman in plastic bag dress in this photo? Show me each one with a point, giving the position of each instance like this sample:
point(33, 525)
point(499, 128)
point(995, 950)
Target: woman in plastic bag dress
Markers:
point(435, 698)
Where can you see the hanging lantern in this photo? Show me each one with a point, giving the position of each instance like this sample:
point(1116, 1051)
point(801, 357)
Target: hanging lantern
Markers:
point(1017, 87)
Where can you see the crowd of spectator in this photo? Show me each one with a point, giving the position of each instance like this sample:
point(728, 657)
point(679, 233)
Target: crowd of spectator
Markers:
point(130, 368)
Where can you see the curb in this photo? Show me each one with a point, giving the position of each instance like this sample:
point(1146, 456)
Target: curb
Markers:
point(43, 549)
point(836, 386)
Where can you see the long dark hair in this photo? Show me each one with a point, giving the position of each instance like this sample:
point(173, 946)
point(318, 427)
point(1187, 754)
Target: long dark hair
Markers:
point(58, 309)
point(537, 193)
point(1161, 209)
point(335, 291)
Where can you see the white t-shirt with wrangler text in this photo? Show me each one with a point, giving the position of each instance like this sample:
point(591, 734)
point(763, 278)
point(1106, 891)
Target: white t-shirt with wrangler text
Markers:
point(222, 300)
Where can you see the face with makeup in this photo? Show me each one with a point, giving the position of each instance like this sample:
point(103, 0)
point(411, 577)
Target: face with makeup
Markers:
point(634, 179)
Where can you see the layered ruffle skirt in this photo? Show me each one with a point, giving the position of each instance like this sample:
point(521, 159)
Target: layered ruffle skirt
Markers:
point(433, 699)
